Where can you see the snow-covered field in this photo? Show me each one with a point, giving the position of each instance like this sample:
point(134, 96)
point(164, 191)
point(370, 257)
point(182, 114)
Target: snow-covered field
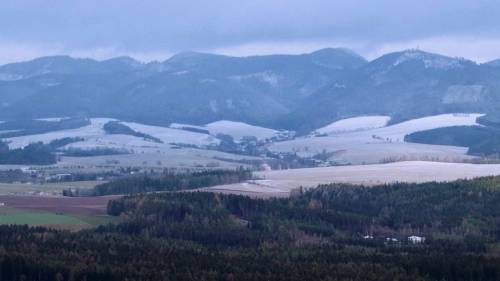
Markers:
point(145, 153)
point(384, 144)
point(89, 131)
point(281, 182)
point(94, 136)
point(52, 119)
point(358, 140)
point(354, 124)
point(169, 135)
point(397, 132)
point(237, 130)
point(164, 157)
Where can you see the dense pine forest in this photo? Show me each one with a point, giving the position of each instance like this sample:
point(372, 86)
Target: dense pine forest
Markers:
point(35, 153)
point(332, 232)
point(170, 182)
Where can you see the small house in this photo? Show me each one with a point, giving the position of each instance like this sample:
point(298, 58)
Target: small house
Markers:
point(416, 239)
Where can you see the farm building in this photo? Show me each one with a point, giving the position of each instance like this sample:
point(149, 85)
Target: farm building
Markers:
point(416, 239)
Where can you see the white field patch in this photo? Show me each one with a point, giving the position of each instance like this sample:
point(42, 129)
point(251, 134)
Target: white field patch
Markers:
point(283, 181)
point(123, 142)
point(354, 124)
point(385, 144)
point(161, 156)
point(397, 132)
point(183, 126)
point(170, 135)
point(95, 137)
point(92, 130)
point(52, 119)
point(238, 130)
point(144, 153)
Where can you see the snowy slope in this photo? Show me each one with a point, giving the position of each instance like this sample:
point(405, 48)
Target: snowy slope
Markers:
point(92, 130)
point(382, 144)
point(238, 130)
point(169, 135)
point(361, 123)
point(52, 119)
point(183, 126)
point(398, 131)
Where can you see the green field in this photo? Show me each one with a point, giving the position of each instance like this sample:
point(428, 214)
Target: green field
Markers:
point(38, 218)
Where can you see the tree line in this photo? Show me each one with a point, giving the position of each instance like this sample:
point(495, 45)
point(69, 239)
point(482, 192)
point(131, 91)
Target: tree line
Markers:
point(170, 181)
point(312, 235)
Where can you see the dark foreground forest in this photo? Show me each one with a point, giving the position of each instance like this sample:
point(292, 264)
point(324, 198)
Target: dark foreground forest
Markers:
point(334, 232)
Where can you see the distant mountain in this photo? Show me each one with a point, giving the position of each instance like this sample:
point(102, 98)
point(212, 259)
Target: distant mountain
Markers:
point(402, 85)
point(66, 65)
point(300, 92)
point(189, 87)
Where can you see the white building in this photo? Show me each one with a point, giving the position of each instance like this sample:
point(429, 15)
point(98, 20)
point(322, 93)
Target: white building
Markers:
point(416, 239)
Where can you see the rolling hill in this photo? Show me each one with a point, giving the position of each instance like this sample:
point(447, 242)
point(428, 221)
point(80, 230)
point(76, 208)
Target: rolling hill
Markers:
point(190, 87)
point(294, 92)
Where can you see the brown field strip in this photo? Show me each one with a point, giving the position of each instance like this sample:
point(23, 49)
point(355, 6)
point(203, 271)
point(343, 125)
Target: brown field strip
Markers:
point(70, 205)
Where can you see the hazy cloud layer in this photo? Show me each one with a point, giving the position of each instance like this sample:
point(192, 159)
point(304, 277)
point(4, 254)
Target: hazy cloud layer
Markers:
point(152, 29)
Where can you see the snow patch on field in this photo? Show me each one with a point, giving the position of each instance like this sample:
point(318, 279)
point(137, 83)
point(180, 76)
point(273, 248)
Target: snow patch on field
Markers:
point(170, 135)
point(279, 181)
point(52, 119)
point(92, 130)
point(361, 123)
point(385, 144)
point(183, 126)
point(398, 131)
point(94, 136)
point(125, 142)
point(238, 130)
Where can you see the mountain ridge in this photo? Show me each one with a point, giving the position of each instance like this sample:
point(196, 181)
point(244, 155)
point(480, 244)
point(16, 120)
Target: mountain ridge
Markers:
point(299, 92)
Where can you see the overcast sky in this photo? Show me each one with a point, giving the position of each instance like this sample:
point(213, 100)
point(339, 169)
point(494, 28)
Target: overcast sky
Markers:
point(156, 29)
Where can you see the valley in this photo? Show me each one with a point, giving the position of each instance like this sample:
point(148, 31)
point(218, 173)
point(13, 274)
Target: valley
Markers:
point(272, 115)
point(249, 140)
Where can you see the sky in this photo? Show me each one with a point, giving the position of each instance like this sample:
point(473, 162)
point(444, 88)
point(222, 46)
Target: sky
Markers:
point(156, 29)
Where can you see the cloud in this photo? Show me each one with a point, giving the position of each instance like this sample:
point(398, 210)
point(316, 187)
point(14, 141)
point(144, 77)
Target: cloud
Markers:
point(152, 29)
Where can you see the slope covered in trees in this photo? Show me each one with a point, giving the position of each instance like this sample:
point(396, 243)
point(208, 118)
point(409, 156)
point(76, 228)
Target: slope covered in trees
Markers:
point(481, 140)
point(171, 182)
point(314, 235)
point(36, 154)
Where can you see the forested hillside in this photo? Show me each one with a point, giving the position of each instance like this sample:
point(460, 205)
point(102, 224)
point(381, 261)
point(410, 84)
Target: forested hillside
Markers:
point(333, 232)
point(295, 92)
